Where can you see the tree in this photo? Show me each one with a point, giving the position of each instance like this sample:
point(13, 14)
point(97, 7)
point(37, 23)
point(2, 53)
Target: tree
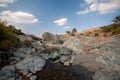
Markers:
point(116, 20)
point(68, 32)
point(74, 30)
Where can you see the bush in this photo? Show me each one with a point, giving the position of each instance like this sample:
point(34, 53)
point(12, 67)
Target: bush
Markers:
point(68, 32)
point(105, 34)
point(96, 34)
point(7, 36)
point(72, 34)
point(74, 30)
point(114, 28)
point(5, 45)
point(28, 43)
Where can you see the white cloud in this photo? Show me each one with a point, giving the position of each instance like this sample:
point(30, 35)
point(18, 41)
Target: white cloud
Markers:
point(67, 27)
point(93, 7)
point(83, 12)
point(90, 1)
point(101, 6)
point(61, 22)
point(4, 3)
point(109, 7)
point(18, 17)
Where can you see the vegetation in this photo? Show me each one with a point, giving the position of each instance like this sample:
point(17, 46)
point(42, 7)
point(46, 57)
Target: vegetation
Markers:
point(74, 30)
point(28, 43)
point(96, 34)
point(113, 28)
point(8, 37)
point(116, 20)
point(8, 40)
point(68, 32)
point(72, 33)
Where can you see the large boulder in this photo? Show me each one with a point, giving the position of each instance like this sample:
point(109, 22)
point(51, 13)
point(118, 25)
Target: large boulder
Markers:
point(48, 37)
point(37, 45)
point(30, 64)
point(7, 73)
point(24, 38)
point(65, 51)
point(79, 43)
point(111, 58)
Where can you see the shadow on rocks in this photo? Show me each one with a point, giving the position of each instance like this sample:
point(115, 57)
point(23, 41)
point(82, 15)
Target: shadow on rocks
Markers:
point(56, 71)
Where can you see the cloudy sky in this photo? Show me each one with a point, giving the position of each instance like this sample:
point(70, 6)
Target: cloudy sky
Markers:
point(58, 16)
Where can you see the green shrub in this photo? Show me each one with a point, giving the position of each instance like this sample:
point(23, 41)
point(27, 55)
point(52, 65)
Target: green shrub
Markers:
point(7, 36)
point(111, 28)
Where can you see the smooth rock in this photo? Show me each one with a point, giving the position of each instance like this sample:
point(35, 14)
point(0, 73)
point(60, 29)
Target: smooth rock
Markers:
point(63, 59)
point(7, 72)
point(55, 54)
point(32, 64)
point(33, 77)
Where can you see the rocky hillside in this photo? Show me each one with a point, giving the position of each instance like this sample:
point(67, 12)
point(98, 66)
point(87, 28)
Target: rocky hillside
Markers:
point(62, 57)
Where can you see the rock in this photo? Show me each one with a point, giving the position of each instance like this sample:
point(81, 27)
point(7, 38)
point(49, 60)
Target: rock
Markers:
point(33, 77)
point(59, 40)
point(55, 54)
point(67, 63)
point(79, 43)
point(31, 64)
point(37, 45)
point(100, 60)
point(63, 59)
point(107, 75)
point(23, 38)
point(7, 73)
point(73, 44)
point(11, 79)
point(24, 52)
point(111, 58)
point(48, 37)
point(45, 56)
point(72, 59)
point(65, 51)
point(20, 78)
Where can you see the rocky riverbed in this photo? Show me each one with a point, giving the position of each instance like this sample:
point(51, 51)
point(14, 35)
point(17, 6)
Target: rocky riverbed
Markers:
point(54, 58)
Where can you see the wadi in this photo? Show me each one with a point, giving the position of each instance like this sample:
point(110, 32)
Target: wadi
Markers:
point(93, 54)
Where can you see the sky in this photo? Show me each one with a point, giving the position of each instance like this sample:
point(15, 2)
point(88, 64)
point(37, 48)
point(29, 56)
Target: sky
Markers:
point(58, 16)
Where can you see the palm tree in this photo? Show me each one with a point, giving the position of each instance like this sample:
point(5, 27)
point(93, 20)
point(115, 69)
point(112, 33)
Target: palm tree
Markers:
point(116, 20)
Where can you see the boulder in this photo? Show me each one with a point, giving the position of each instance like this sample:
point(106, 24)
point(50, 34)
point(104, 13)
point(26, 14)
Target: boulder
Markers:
point(111, 58)
point(67, 63)
point(30, 64)
point(45, 56)
point(7, 73)
point(33, 77)
point(79, 43)
point(63, 59)
point(48, 37)
point(23, 38)
point(38, 45)
point(65, 51)
point(55, 54)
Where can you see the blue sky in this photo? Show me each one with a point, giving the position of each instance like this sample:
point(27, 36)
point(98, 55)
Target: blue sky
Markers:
point(58, 16)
